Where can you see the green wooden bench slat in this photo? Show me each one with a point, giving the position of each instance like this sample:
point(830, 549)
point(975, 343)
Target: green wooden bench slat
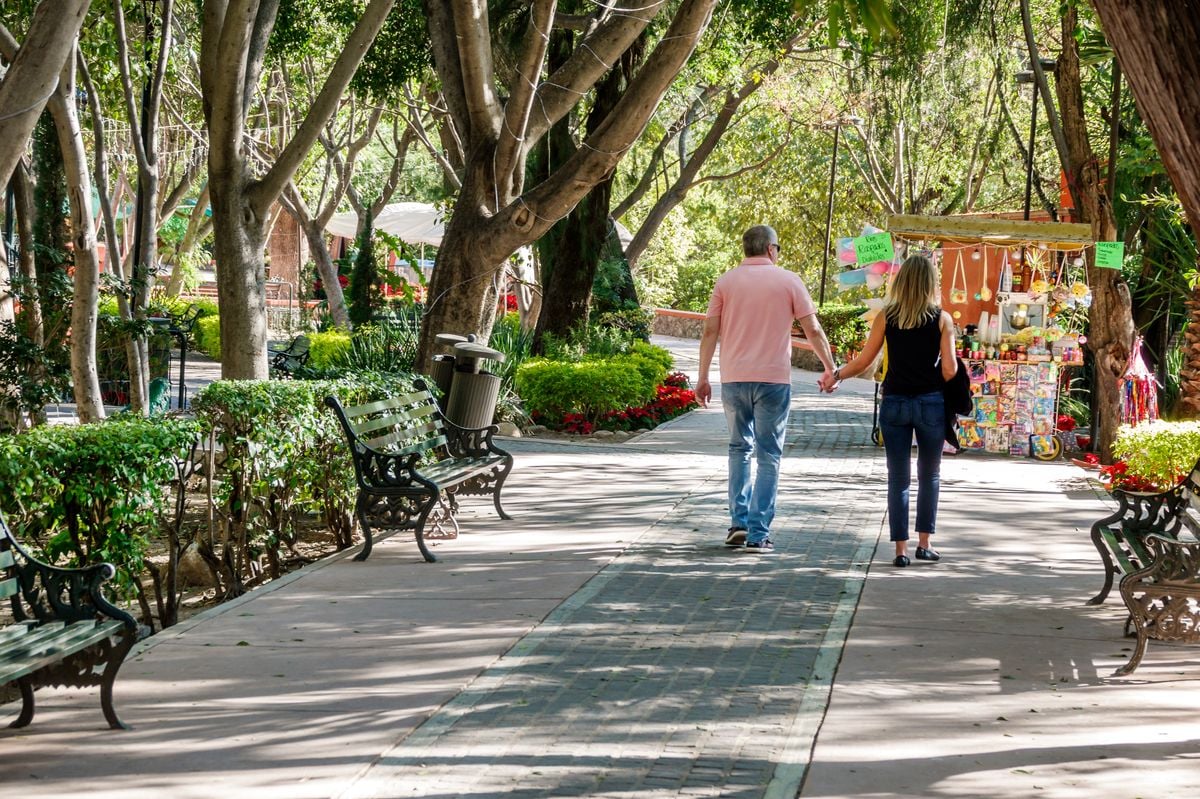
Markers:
point(8, 588)
point(417, 439)
point(408, 417)
point(26, 655)
point(6, 558)
point(384, 404)
point(15, 631)
point(456, 471)
point(1120, 550)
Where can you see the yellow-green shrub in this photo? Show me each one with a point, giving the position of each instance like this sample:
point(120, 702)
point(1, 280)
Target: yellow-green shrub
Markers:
point(324, 348)
point(1160, 452)
point(208, 336)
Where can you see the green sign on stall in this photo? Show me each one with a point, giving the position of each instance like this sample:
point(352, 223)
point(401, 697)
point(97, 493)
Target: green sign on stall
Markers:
point(876, 247)
point(1110, 254)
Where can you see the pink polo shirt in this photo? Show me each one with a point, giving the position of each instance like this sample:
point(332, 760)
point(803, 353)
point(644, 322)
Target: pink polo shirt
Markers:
point(757, 302)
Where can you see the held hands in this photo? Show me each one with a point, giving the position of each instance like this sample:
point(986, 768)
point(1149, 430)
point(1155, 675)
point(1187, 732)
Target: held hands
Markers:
point(829, 381)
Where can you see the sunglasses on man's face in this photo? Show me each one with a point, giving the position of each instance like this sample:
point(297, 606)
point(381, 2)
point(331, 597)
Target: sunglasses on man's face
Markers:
point(778, 249)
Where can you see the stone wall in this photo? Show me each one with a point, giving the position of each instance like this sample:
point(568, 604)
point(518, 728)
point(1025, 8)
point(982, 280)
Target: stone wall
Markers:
point(678, 324)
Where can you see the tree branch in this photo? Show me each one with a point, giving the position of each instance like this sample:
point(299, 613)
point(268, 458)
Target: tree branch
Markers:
point(524, 83)
point(33, 74)
point(594, 56)
point(540, 208)
point(472, 29)
point(268, 189)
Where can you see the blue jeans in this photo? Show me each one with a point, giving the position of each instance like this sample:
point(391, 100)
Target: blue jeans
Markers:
point(757, 417)
point(899, 418)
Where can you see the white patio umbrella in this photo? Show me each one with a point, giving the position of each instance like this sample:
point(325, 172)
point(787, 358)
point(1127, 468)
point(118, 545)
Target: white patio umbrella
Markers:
point(412, 223)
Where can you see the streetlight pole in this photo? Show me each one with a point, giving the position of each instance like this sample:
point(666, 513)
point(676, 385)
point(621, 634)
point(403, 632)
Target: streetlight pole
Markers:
point(1027, 76)
point(837, 130)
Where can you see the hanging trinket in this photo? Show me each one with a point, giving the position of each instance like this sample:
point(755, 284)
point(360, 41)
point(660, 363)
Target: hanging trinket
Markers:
point(985, 292)
point(958, 283)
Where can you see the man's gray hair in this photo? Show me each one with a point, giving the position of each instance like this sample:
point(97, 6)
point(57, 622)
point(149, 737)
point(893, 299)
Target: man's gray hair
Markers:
point(756, 240)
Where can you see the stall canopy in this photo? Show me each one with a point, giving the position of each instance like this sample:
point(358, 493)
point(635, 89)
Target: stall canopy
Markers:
point(412, 223)
point(1063, 236)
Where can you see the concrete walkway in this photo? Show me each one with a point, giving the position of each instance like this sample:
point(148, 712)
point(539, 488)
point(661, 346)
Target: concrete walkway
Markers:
point(607, 644)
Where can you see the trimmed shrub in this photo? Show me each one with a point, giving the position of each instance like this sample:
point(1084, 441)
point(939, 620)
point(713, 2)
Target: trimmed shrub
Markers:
point(1160, 453)
point(85, 494)
point(327, 347)
point(282, 453)
point(553, 389)
point(208, 336)
point(844, 327)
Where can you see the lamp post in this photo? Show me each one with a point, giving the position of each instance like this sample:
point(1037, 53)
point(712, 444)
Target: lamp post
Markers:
point(837, 130)
point(1049, 65)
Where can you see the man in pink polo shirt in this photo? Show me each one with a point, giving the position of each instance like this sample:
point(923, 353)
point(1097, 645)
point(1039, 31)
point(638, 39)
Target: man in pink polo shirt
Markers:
point(750, 314)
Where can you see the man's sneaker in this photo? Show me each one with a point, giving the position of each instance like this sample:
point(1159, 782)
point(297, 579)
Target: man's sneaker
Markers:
point(764, 547)
point(736, 537)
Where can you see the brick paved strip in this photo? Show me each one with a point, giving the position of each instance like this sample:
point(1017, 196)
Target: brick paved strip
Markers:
point(683, 668)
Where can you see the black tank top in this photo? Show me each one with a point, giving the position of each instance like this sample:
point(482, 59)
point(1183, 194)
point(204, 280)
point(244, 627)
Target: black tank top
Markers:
point(913, 357)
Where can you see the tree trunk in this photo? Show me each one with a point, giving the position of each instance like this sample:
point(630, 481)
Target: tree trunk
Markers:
point(494, 215)
point(1189, 378)
point(569, 265)
point(239, 236)
point(232, 53)
point(85, 381)
point(1155, 45)
point(31, 309)
point(135, 355)
point(1110, 321)
point(462, 293)
point(335, 298)
point(570, 270)
point(198, 227)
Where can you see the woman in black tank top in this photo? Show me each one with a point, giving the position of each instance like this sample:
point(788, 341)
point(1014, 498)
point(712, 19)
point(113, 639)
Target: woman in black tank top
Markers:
point(920, 359)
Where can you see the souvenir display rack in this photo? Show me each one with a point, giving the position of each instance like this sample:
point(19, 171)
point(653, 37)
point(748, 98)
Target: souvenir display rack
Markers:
point(1002, 281)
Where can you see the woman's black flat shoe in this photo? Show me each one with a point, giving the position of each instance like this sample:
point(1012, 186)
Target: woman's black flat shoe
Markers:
point(927, 554)
point(901, 560)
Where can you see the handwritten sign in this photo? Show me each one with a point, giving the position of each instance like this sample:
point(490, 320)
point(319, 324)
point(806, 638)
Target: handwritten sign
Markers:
point(1110, 254)
point(876, 247)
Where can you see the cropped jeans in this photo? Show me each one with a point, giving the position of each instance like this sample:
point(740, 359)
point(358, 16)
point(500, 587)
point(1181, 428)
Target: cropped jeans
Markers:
point(899, 418)
point(757, 416)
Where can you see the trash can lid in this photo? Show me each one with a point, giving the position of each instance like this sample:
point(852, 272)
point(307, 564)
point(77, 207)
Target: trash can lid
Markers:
point(449, 338)
point(472, 350)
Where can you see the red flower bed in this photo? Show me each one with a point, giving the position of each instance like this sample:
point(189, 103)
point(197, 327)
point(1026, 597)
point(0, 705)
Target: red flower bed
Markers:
point(673, 398)
point(1117, 475)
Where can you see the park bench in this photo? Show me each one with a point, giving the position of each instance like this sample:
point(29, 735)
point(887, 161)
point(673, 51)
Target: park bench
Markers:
point(62, 630)
point(286, 360)
point(1163, 597)
point(1120, 538)
point(412, 464)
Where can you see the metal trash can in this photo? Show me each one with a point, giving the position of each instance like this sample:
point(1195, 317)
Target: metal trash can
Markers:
point(442, 368)
point(473, 392)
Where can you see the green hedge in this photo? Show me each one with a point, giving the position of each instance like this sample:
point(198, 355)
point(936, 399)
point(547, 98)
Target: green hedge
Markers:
point(283, 455)
point(82, 494)
point(844, 327)
point(90, 493)
point(592, 387)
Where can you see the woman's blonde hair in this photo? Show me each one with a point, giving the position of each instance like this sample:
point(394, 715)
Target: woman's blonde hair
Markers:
point(912, 297)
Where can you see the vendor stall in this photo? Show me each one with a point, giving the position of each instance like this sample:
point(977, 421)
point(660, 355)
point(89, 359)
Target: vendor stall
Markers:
point(1009, 284)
